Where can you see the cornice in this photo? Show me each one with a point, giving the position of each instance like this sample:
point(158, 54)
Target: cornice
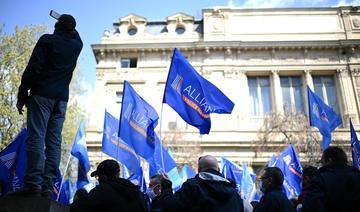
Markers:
point(230, 45)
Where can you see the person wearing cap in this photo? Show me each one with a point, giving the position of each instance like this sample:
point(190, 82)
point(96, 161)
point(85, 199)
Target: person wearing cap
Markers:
point(112, 194)
point(44, 90)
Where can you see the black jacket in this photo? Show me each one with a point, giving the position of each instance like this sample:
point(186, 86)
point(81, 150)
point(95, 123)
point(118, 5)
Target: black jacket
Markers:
point(274, 201)
point(119, 195)
point(333, 188)
point(51, 65)
point(207, 191)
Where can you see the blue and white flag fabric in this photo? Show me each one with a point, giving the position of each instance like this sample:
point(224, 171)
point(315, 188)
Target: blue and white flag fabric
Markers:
point(13, 164)
point(138, 120)
point(66, 193)
point(355, 147)
point(290, 166)
point(322, 117)
point(192, 96)
point(187, 173)
point(57, 185)
point(138, 180)
point(234, 172)
point(115, 147)
point(163, 162)
point(272, 161)
point(248, 188)
point(79, 150)
point(125, 172)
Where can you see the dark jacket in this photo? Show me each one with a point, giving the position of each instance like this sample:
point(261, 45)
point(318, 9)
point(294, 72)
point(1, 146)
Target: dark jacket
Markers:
point(333, 188)
point(207, 191)
point(51, 65)
point(119, 195)
point(274, 200)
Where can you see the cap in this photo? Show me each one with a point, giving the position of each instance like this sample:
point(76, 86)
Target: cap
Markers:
point(106, 167)
point(67, 21)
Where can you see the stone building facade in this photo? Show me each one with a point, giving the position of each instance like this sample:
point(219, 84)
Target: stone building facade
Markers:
point(262, 59)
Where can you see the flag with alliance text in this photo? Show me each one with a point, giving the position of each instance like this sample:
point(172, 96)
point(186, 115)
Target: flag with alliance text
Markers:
point(13, 164)
point(115, 147)
point(192, 96)
point(138, 120)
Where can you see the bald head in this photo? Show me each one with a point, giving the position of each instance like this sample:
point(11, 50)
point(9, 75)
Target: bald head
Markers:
point(207, 162)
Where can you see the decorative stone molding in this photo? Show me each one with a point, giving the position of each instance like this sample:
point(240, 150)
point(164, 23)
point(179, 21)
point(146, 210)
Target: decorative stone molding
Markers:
point(355, 72)
point(342, 72)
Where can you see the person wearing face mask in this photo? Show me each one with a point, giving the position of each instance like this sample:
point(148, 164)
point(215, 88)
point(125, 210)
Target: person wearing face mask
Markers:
point(112, 194)
point(154, 191)
point(274, 198)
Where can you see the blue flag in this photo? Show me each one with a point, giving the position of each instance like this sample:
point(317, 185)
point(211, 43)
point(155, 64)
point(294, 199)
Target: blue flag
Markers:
point(125, 172)
point(272, 161)
point(248, 188)
point(115, 147)
point(192, 96)
point(163, 162)
point(57, 185)
point(13, 164)
point(139, 180)
point(66, 193)
point(322, 117)
point(290, 166)
point(187, 172)
point(234, 172)
point(79, 150)
point(138, 120)
point(355, 147)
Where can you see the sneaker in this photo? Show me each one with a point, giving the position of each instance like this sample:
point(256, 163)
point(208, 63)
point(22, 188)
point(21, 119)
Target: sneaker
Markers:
point(25, 192)
point(47, 194)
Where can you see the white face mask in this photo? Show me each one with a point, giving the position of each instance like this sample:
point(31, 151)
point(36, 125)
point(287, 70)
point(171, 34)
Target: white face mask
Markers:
point(151, 193)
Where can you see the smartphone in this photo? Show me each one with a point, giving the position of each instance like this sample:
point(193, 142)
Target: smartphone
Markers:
point(54, 14)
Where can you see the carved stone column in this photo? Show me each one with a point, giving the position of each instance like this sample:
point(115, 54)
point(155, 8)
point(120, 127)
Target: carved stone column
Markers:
point(347, 99)
point(277, 98)
point(308, 82)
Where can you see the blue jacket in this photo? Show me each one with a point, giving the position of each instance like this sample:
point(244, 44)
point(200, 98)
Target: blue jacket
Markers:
point(51, 65)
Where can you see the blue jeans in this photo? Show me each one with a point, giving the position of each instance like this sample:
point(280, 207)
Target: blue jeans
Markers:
point(45, 119)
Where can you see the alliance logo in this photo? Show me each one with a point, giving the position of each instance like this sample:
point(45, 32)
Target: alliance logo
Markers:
point(8, 159)
point(321, 116)
point(138, 122)
point(192, 96)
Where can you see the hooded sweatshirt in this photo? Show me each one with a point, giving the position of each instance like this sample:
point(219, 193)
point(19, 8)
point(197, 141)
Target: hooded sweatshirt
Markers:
point(208, 191)
point(116, 195)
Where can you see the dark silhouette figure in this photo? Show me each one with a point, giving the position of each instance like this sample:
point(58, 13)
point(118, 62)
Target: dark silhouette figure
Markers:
point(335, 186)
point(44, 89)
point(274, 199)
point(112, 193)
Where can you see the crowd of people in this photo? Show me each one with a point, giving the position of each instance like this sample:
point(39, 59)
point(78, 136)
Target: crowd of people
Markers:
point(335, 186)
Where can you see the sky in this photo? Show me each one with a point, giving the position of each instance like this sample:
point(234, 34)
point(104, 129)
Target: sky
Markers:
point(94, 16)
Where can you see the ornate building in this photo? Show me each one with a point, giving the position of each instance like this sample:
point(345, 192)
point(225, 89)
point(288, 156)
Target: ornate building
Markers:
point(262, 59)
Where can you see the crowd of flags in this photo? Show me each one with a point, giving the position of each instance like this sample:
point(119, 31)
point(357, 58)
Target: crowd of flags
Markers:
point(131, 139)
